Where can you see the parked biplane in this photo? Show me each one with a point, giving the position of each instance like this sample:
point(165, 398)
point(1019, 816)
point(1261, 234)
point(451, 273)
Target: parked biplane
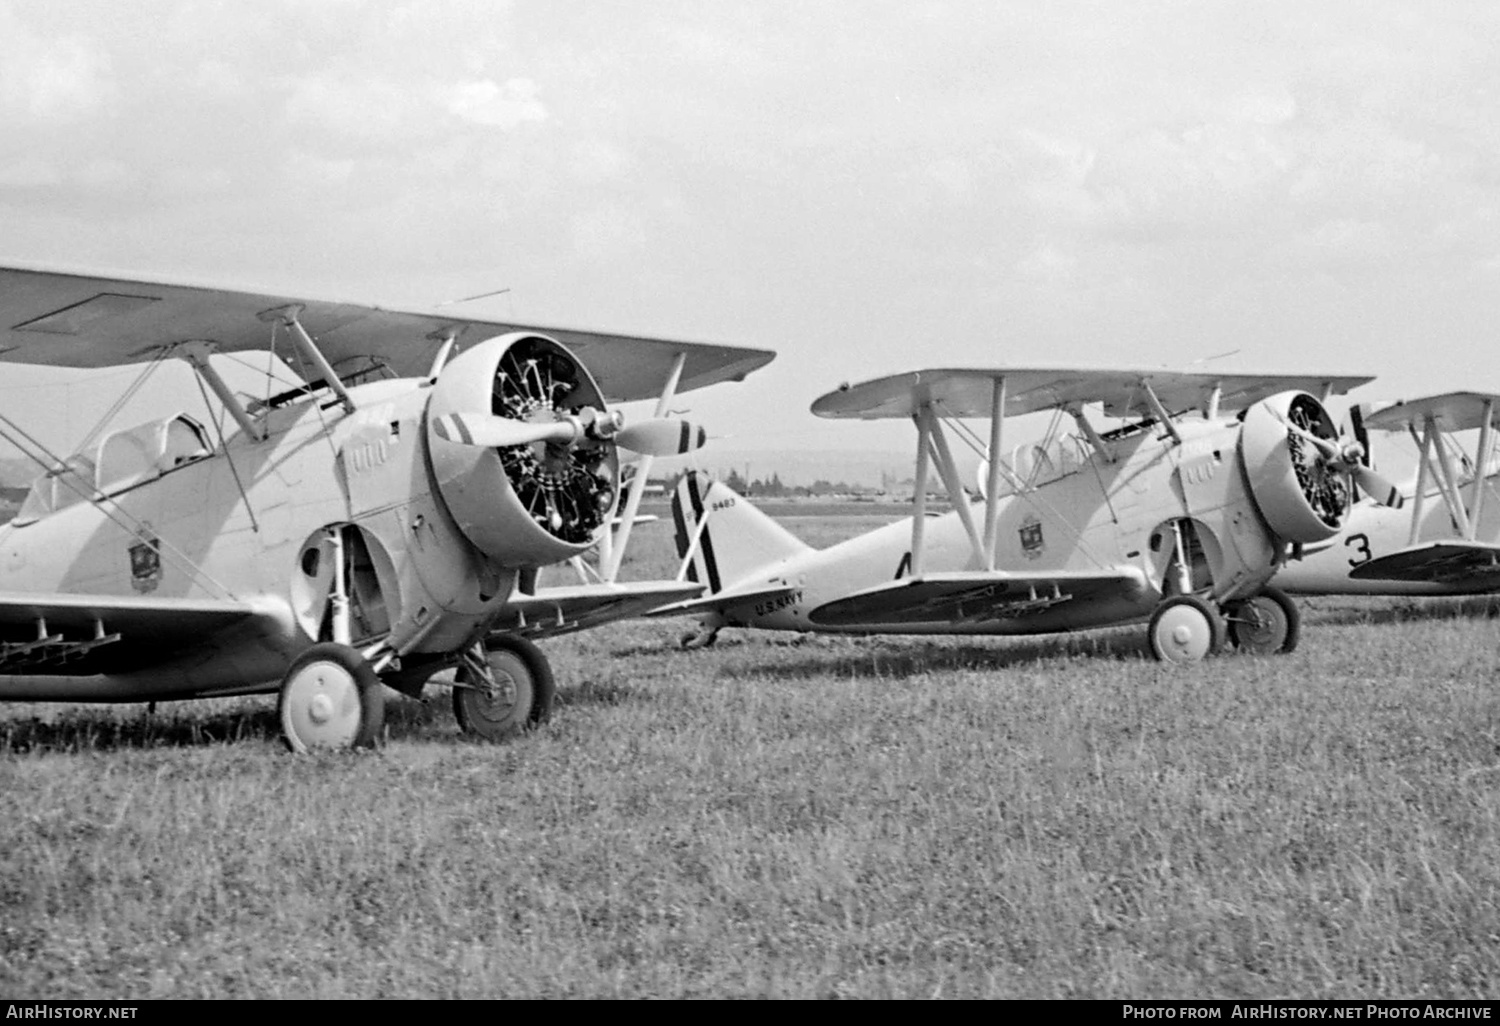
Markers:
point(1178, 517)
point(1448, 541)
point(350, 532)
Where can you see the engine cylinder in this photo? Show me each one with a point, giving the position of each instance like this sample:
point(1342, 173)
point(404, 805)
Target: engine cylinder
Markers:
point(532, 504)
point(1299, 494)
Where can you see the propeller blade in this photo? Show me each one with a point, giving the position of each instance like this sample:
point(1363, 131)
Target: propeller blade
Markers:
point(663, 437)
point(491, 432)
point(1348, 455)
point(1377, 486)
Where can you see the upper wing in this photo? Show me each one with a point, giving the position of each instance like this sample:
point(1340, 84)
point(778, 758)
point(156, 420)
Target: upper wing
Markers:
point(561, 610)
point(969, 392)
point(974, 596)
point(1451, 411)
point(80, 635)
point(83, 320)
point(1462, 564)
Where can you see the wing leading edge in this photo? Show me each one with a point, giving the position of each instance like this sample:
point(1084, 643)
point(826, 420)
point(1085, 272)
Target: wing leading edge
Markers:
point(969, 392)
point(972, 597)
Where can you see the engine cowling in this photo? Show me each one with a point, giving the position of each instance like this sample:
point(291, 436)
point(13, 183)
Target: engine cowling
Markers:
point(531, 504)
point(1301, 496)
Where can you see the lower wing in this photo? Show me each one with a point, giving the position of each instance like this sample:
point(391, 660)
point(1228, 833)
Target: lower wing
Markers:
point(972, 597)
point(84, 635)
point(1462, 564)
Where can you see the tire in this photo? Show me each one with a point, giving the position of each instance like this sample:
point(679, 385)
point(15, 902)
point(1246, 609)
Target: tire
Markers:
point(1185, 629)
point(526, 685)
point(330, 700)
point(1267, 623)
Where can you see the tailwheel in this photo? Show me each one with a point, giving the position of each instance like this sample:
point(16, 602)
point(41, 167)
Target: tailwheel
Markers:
point(330, 700)
point(704, 637)
point(1264, 624)
point(507, 691)
point(1185, 629)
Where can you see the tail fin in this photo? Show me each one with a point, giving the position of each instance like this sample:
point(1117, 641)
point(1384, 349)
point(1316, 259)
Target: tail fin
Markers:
point(737, 539)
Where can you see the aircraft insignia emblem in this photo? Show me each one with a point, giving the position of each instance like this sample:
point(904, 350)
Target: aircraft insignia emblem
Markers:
point(145, 561)
point(1032, 543)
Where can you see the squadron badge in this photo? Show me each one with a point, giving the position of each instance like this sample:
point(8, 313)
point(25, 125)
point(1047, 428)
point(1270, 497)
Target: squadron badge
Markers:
point(145, 561)
point(1032, 543)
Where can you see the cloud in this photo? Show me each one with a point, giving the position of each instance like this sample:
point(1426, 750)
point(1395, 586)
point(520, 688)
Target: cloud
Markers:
point(51, 81)
point(501, 106)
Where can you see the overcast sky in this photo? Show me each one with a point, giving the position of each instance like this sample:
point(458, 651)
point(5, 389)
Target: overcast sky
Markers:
point(865, 187)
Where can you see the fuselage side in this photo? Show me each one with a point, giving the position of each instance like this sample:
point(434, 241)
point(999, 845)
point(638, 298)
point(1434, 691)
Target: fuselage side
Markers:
point(1095, 514)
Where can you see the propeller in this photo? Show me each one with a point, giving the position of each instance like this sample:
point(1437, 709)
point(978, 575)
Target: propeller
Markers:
point(1346, 456)
point(661, 437)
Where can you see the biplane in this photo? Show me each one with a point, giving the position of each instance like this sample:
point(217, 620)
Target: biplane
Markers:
point(380, 523)
point(1447, 539)
point(1177, 517)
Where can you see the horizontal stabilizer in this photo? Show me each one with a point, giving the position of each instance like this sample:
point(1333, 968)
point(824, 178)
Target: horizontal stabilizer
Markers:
point(971, 597)
point(1455, 563)
point(726, 600)
point(562, 610)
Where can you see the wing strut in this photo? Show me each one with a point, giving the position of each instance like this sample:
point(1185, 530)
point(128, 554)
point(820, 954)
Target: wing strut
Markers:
point(919, 495)
point(1424, 446)
point(287, 316)
point(612, 550)
point(1481, 466)
point(1450, 483)
point(992, 481)
point(196, 353)
point(1160, 412)
point(948, 470)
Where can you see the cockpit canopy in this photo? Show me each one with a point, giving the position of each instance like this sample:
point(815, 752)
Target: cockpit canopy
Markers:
point(121, 460)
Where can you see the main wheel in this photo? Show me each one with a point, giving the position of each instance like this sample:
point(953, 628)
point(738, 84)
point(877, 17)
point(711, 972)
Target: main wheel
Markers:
point(330, 699)
point(1265, 624)
point(1185, 629)
point(522, 695)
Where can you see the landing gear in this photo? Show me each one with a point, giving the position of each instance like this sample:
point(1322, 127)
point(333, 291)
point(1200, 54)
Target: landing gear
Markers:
point(1264, 624)
point(330, 700)
point(704, 636)
point(1185, 629)
point(508, 690)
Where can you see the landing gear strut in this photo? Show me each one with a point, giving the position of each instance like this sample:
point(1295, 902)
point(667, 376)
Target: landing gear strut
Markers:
point(704, 636)
point(503, 687)
point(1264, 624)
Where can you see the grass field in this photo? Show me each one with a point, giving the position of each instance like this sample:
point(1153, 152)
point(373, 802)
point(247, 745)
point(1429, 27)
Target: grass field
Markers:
point(796, 816)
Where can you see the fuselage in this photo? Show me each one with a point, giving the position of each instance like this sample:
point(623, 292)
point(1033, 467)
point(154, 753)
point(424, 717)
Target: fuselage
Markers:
point(251, 522)
point(1374, 531)
point(1083, 513)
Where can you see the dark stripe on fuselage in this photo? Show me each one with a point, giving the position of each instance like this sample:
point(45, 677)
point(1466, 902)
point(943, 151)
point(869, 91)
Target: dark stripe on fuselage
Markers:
point(683, 537)
point(463, 430)
point(682, 440)
point(706, 545)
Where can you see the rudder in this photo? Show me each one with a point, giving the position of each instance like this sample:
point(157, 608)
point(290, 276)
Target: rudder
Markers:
point(735, 541)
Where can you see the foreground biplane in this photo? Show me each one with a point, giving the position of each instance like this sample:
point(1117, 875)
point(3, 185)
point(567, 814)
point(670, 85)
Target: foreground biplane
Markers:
point(1179, 516)
point(350, 532)
point(1447, 541)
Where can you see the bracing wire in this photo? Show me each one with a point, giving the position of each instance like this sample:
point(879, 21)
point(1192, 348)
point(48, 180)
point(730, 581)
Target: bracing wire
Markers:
point(119, 516)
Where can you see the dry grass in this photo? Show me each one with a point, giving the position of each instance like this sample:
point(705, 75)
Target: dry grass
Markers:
point(796, 816)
